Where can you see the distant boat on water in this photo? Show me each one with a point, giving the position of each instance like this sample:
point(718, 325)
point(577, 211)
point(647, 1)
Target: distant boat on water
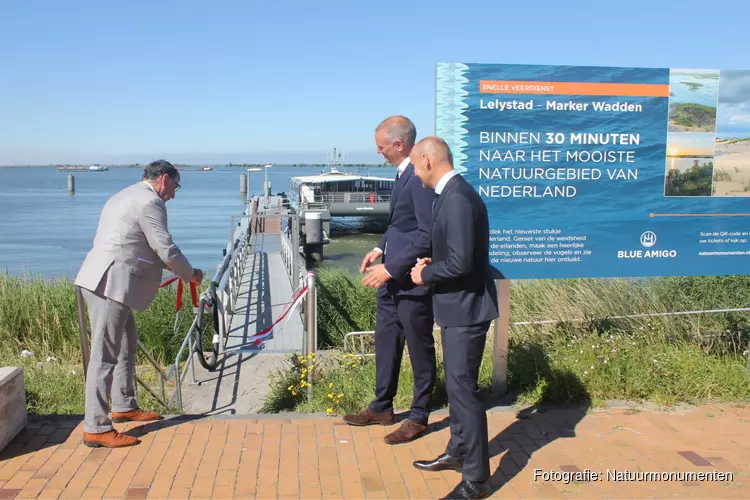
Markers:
point(207, 168)
point(82, 168)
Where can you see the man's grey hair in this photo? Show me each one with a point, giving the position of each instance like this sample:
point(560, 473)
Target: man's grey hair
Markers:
point(157, 168)
point(399, 128)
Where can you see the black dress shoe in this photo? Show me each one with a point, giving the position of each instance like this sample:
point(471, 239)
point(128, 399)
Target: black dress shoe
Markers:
point(443, 462)
point(470, 490)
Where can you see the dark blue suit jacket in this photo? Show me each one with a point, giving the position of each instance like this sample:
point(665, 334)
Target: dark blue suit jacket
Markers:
point(460, 275)
point(408, 235)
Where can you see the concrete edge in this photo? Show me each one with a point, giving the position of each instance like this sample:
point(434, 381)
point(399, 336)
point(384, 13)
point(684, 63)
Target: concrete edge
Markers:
point(13, 410)
point(288, 417)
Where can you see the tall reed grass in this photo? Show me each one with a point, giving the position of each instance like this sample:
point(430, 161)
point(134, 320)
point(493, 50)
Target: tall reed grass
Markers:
point(40, 316)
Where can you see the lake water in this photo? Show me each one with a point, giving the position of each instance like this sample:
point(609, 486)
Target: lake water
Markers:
point(695, 88)
point(46, 231)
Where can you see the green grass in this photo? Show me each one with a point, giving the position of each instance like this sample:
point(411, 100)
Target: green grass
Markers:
point(659, 359)
point(57, 386)
point(663, 360)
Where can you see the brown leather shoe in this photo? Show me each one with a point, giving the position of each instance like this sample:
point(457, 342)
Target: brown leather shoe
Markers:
point(409, 431)
point(136, 415)
point(369, 417)
point(110, 439)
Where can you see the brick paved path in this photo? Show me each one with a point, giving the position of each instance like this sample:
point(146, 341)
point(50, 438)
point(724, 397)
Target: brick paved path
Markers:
point(319, 457)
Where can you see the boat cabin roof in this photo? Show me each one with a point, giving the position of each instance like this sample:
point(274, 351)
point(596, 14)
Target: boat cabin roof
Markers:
point(337, 176)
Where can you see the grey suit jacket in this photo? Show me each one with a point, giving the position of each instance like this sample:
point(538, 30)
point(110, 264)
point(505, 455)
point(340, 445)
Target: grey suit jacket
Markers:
point(131, 247)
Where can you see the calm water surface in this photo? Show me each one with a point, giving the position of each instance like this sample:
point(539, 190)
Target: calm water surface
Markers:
point(46, 231)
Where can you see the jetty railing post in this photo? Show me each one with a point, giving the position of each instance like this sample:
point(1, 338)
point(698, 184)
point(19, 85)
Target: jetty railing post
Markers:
point(265, 186)
point(231, 234)
point(83, 327)
point(311, 326)
point(500, 340)
point(177, 384)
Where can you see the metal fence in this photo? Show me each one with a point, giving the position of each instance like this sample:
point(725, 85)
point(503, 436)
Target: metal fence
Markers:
point(500, 358)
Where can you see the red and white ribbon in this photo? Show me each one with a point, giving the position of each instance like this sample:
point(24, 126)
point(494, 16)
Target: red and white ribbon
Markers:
point(256, 339)
point(291, 304)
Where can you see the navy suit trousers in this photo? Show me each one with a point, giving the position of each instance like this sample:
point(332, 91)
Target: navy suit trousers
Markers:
point(462, 356)
point(404, 319)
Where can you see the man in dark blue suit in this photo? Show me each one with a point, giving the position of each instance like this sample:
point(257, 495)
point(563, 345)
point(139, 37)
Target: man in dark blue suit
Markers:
point(464, 299)
point(404, 310)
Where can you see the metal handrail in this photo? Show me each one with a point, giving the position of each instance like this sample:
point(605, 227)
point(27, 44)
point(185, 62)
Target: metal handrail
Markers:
point(224, 281)
point(289, 256)
point(361, 335)
point(189, 342)
point(85, 334)
point(163, 377)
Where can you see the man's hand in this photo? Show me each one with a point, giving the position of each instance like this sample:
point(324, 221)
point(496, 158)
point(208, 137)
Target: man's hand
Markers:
point(197, 277)
point(376, 276)
point(371, 257)
point(416, 271)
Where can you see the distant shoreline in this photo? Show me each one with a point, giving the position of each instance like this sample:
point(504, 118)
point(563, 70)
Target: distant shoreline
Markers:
point(197, 167)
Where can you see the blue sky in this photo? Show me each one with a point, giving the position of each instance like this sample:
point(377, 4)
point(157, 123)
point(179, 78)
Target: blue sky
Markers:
point(287, 81)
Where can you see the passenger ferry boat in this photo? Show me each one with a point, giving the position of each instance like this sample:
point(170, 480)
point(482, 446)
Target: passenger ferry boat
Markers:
point(341, 194)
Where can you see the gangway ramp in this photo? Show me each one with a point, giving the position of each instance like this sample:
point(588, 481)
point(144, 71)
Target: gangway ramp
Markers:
point(241, 381)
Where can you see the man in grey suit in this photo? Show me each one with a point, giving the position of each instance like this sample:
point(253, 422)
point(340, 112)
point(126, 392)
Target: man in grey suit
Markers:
point(121, 273)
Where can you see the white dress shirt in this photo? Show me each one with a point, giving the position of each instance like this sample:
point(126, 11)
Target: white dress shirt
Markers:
point(401, 169)
point(403, 166)
point(150, 186)
point(444, 180)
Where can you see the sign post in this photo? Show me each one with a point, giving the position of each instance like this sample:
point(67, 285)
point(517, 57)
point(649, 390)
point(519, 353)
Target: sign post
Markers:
point(500, 340)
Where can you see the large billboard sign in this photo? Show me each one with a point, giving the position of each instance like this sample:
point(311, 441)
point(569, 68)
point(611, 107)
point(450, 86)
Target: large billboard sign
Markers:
point(604, 171)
